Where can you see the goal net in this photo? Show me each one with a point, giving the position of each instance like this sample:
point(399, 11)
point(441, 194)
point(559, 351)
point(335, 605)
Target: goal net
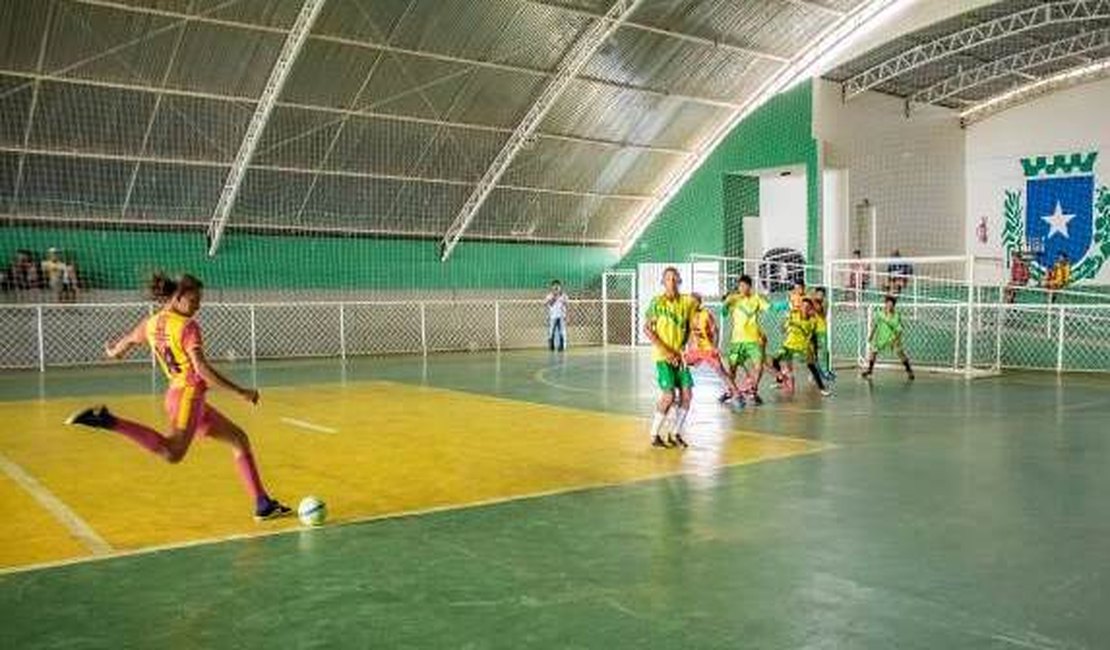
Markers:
point(951, 307)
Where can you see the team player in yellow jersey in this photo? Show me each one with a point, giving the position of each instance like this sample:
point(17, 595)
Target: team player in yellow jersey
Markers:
point(667, 325)
point(821, 350)
point(702, 347)
point(748, 342)
point(799, 327)
point(175, 339)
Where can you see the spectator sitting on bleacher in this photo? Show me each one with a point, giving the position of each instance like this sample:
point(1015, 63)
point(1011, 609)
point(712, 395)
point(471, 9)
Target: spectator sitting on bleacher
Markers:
point(1019, 276)
point(52, 270)
point(24, 274)
point(1058, 277)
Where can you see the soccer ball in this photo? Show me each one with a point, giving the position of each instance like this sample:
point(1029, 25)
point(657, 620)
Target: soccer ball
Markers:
point(312, 511)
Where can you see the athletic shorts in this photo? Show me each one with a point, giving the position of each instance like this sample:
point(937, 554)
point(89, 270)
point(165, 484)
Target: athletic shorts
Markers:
point(695, 357)
point(186, 409)
point(744, 351)
point(893, 343)
point(788, 354)
point(670, 377)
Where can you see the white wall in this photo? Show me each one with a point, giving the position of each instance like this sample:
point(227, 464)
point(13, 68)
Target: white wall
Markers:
point(1070, 121)
point(782, 212)
point(835, 208)
point(912, 170)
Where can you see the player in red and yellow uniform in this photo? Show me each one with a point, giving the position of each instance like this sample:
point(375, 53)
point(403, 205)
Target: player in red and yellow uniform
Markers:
point(175, 339)
point(702, 347)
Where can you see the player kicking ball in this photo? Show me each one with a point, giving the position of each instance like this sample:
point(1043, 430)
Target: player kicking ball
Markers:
point(175, 339)
point(667, 325)
point(886, 334)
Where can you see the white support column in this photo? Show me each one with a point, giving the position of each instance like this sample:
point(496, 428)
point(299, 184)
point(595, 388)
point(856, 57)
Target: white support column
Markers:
point(280, 72)
point(576, 58)
point(42, 340)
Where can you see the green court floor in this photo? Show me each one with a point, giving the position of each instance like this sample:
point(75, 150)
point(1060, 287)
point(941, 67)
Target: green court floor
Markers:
point(942, 514)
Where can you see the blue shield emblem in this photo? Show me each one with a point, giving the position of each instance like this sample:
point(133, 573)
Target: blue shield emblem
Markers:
point(1058, 212)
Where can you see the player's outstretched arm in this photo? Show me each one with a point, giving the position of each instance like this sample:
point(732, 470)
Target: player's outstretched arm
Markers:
point(121, 347)
point(215, 378)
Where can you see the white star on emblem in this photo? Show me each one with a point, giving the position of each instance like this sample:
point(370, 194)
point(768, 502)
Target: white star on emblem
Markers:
point(1058, 222)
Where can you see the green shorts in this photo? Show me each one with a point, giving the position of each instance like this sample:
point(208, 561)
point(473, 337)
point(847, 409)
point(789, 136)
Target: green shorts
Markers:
point(893, 343)
point(743, 351)
point(788, 354)
point(670, 377)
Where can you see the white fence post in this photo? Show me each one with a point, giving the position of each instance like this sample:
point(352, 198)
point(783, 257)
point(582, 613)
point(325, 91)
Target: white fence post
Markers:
point(497, 324)
point(254, 338)
point(153, 361)
point(42, 341)
point(342, 332)
point(424, 328)
point(1060, 342)
point(970, 356)
point(605, 310)
point(956, 344)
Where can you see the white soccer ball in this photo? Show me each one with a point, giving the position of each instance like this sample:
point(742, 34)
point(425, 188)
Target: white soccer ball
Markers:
point(312, 511)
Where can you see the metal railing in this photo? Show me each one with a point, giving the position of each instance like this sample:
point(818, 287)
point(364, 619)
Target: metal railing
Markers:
point(55, 335)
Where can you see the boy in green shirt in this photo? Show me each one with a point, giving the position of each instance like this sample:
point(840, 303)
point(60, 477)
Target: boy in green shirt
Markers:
point(886, 334)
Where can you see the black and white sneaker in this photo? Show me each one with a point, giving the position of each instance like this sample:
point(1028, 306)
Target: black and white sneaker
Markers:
point(97, 417)
point(678, 441)
point(271, 509)
point(656, 441)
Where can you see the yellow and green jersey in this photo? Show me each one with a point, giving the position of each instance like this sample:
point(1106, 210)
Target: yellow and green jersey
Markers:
point(701, 329)
point(799, 331)
point(671, 318)
point(744, 312)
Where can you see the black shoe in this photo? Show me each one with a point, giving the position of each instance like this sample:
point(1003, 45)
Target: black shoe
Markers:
point(866, 374)
point(660, 443)
point(97, 417)
point(678, 441)
point(272, 509)
point(912, 376)
point(724, 398)
point(756, 399)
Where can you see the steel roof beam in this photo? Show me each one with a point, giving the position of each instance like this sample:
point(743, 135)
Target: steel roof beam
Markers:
point(1011, 65)
point(572, 64)
point(262, 111)
point(1054, 13)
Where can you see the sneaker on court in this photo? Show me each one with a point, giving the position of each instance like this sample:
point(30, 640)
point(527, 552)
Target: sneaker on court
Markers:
point(97, 417)
point(912, 377)
point(825, 392)
point(866, 374)
point(658, 442)
point(272, 509)
point(756, 399)
point(724, 398)
point(678, 441)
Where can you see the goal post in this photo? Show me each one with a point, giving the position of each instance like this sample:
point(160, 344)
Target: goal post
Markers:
point(950, 305)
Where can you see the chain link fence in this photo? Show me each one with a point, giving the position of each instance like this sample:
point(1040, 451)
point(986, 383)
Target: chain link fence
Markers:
point(40, 336)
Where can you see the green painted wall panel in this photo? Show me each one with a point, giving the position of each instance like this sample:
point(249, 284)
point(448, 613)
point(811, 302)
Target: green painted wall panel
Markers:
point(118, 259)
point(778, 134)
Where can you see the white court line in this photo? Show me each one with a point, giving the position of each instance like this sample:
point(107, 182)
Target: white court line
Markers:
point(68, 518)
point(308, 425)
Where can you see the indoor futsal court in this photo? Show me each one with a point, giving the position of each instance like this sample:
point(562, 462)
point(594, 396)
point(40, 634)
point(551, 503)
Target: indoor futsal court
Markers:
point(770, 324)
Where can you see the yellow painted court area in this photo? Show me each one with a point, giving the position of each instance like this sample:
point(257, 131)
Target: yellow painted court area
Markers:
point(368, 449)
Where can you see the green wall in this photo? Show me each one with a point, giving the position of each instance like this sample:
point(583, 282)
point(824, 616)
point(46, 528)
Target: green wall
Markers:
point(696, 220)
point(120, 259)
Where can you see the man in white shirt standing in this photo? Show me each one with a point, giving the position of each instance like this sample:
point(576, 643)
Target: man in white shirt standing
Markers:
point(556, 302)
